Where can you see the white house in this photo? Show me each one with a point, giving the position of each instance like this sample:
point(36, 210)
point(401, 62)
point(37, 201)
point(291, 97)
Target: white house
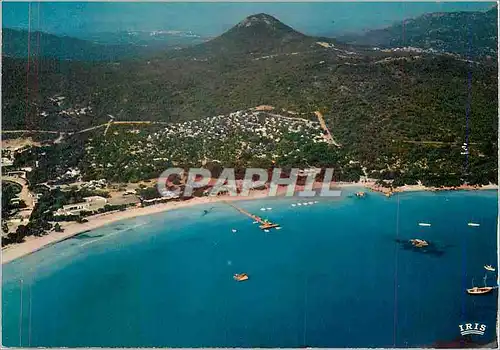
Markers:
point(92, 203)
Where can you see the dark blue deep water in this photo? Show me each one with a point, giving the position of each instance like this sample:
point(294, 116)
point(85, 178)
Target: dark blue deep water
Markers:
point(333, 276)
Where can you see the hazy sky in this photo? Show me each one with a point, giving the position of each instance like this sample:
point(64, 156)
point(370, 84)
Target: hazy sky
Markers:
point(210, 19)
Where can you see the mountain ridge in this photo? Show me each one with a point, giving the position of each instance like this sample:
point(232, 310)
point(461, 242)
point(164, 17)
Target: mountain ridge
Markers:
point(393, 110)
point(289, 69)
point(15, 44)
point(466, 33)
point(63, 47)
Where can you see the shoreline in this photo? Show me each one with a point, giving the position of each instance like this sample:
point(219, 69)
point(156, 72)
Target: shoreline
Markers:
point(420, 188)
point(71, 229)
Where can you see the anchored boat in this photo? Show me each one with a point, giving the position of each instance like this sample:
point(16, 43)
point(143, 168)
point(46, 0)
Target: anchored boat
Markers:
point(489, 267)
point(419, 243)
point(240, 277)
point(479, 290)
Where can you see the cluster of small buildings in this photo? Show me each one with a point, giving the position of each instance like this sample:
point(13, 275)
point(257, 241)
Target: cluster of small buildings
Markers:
point(9, 154)
point(58, 101)
point(71, 173)
point(90, 185)
point(262, 125)
point(75, 112)
point(402, 58)
point(7, 159)
point(21, 174)
point(407, 49)
point(90, 204)
point(94, 184)
point(254, 131)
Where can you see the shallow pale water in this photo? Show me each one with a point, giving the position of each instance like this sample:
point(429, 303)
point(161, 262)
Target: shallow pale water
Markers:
point(333, 276)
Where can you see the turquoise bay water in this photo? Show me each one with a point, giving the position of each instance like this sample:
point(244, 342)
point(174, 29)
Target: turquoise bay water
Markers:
point(333, 276)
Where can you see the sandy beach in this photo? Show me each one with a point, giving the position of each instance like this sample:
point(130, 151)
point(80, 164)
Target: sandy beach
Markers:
point(417, 188)
point(33, 244)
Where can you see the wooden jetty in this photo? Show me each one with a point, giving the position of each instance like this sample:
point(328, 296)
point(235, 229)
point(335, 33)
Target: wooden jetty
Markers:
point(265, 225)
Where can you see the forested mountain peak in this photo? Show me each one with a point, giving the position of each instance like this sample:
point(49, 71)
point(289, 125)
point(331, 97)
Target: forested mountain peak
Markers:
point(259, 33)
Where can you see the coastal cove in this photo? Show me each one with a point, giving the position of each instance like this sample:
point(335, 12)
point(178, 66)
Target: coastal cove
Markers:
point(334, 271)
point(71, 229)
point(250, 175)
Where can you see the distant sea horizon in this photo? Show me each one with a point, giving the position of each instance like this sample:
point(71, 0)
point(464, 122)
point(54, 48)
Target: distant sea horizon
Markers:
point(312, 18)
point(333, 276)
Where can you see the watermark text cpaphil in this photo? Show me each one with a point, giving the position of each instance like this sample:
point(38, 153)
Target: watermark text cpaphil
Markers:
point(177, 182)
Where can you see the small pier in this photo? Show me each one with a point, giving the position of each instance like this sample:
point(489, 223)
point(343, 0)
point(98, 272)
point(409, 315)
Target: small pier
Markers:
point(265, 225)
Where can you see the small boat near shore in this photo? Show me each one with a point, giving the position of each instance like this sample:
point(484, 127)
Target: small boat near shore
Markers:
point(360, 194)
point(240, 277)
point(473, 224)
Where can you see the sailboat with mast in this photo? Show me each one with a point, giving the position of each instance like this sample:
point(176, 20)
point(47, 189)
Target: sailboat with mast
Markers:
point(480, 290)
